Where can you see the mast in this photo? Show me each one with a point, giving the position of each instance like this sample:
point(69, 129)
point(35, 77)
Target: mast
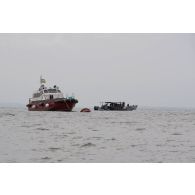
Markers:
point(42, 82)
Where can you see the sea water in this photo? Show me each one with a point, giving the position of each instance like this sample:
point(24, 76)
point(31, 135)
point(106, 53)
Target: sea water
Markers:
point(146, 135)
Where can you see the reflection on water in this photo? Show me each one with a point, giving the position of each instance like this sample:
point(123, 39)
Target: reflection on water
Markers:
point(147, 135)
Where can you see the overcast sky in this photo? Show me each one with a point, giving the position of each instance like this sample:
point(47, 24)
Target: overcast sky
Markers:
point(143, 69)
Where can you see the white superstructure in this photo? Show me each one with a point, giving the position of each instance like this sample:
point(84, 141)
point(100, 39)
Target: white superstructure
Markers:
point(45, 93)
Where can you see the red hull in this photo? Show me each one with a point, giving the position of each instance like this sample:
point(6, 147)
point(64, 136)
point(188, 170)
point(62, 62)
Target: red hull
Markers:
point(65, 105)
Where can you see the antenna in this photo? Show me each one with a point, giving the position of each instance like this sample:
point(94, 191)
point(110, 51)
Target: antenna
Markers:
point(40, 79)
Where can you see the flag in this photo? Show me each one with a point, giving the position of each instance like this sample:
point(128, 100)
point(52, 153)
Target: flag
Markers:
point(42, 80)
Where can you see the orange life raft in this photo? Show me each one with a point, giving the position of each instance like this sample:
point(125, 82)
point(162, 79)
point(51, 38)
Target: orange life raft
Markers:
point(85, 110)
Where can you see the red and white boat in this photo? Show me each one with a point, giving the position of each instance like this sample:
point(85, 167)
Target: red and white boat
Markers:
point(50, 99)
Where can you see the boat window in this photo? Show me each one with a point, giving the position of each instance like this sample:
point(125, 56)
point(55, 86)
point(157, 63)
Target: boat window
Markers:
point(35, 95)
point(52, 90)
point(59, 91)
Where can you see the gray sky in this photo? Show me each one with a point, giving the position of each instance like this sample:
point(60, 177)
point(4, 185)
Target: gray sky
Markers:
point(143, 69)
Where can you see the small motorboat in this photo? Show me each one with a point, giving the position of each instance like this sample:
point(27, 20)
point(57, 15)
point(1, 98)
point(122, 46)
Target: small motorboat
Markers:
point(85, 110)
point(115, 106)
